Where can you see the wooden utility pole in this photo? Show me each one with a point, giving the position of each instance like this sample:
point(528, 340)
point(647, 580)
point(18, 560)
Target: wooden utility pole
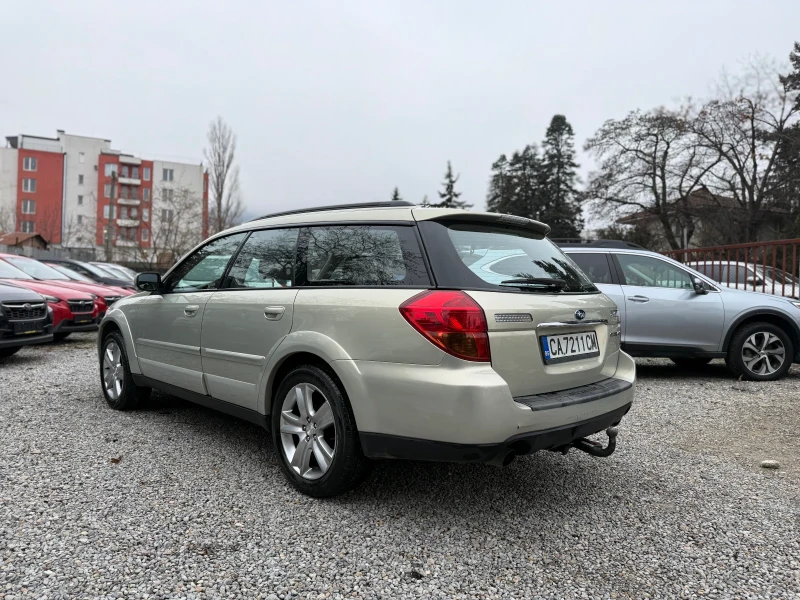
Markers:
point(110, 228)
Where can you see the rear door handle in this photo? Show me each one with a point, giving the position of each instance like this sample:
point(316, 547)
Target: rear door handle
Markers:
point(641, 299)
point(274, 313)
point(191, 310)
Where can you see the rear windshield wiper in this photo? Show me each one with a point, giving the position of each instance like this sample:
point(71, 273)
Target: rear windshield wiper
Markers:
point(546, 282)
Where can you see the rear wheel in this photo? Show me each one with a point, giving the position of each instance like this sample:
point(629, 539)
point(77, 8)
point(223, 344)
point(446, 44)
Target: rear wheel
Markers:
point(120, 392)
point(6, 352)
point(691, 363)
point(760, 352)
point(315, 434)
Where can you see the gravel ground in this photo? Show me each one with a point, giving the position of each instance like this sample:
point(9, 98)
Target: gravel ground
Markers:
point(176, 501)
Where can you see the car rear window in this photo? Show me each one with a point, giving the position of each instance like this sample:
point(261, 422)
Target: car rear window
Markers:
point(494, 255)
point(594, 265)
point(373, 255)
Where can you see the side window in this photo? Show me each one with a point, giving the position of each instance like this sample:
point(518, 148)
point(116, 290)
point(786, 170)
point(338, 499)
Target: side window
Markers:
point(652, 272)
point(736, 275)
point(265, 261)
point(203, 269)
point(362, 255)
point(594, 265)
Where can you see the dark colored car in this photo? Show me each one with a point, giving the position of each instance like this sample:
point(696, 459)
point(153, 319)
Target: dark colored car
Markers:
point(24, 319)
point(92, 272)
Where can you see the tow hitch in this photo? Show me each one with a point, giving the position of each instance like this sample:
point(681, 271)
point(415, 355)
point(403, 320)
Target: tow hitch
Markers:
point(596, 448)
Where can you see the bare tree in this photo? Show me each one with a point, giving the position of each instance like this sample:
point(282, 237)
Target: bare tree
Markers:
point(648, 163)
point(223, 177)
point(747, 126)
point(6, 219)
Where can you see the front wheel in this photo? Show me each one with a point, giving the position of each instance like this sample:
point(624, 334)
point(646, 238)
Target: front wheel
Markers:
point(315, 435)
point(760, 352)
point(120, 392)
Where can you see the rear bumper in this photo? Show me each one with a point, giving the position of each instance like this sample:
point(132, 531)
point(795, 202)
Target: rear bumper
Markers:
point(457, 408)
point(376, 445)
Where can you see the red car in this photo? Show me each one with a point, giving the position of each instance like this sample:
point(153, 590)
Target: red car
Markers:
point(106, 295)
point(73, 310)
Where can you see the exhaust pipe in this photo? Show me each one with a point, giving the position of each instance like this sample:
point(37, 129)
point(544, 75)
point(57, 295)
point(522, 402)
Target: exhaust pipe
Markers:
point(596, 448)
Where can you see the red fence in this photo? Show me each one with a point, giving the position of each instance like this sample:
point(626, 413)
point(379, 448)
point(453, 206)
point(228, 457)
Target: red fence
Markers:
point(770, 267)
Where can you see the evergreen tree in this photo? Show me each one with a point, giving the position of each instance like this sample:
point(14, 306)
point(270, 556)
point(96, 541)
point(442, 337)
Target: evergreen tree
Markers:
point(425, 201)
point(561, 209)
point(500, 186)
point(450, 197)
point(396, 195)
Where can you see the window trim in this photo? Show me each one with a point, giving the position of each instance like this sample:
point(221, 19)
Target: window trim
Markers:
point(27, 212)
point(35, 161)
point(235, 257)
point(28, 191)
point(165, 281)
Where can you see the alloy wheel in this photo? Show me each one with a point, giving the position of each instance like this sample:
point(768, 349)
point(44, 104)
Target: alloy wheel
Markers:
point(308, 431)
point(763, 353)
point(113, 371)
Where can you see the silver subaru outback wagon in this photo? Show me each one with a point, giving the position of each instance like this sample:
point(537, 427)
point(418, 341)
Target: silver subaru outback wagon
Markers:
point(379, 331)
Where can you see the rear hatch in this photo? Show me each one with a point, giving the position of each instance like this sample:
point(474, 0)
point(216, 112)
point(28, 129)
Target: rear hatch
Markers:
point(549, 327)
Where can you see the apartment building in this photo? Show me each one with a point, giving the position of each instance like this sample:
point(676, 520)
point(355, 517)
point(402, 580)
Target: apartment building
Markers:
point(77, 192)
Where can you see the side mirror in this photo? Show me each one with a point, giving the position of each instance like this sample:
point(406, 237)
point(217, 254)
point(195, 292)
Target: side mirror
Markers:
point(699, 288)
point(148, 282)
point(755, 281)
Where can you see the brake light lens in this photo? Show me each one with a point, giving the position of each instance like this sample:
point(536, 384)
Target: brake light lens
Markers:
point(452, 321)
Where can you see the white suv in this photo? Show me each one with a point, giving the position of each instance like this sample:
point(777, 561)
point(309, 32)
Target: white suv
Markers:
point(379, 331)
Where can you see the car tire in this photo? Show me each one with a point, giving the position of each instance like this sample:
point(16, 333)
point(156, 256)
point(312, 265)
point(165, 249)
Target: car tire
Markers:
point(6, 352)
point(61, 336)
point(119, 390)
point(310, 402)
point(755, 351)
point(692, 364)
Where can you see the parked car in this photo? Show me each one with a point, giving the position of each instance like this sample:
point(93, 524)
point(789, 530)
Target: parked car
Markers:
point(116, 270)
point(366, 331)
point(92, 272)
point(73, 310)
point(750, 277)
point(24, 319)
point(105, 295)
point(669, 310)
point(110, 293)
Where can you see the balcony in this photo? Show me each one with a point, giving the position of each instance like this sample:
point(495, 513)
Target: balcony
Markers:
point(129, 160)
point(123, 243)
point(127, 222)
point(129, 181)
point(128, 201)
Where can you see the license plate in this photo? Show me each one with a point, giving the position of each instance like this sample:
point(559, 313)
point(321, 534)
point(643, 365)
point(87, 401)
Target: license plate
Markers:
point(565, 347)
point(28, 327)
point(81, 320)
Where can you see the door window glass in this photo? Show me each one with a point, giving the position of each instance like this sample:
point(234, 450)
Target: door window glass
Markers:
point(204, 269)
point(265, 261)
point(363, 255)
point(736, 275)
point(652, 272)
point(595, 266)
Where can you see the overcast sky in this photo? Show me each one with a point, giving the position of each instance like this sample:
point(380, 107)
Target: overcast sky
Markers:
point(341, 101)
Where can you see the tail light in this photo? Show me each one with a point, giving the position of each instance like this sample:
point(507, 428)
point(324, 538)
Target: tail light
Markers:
point(452, 321)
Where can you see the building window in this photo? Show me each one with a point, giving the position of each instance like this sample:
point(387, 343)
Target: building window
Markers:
point(107, 190)
point(145, 234)
point(80, 200)
point(110, 169)
point(169, 174)
point(145, 214)
point(146, 173)
point(106, 209)
point(27, 226)
point(146, 194)
point(134, 212)
point(166, 215)
point(28, 207)
point(124, 170)
point(29, 185)
point(80, 179)
point(80, 219)
point(123, 213)
point(166, 195)
point(81, 157)
point(29, 163)
point(135, 172)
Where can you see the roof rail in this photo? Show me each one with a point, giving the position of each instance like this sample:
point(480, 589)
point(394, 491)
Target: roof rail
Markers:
point(572, 243)
point(336, 207)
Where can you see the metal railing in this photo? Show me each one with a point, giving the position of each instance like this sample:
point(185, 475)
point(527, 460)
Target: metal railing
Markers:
point(768, 267)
